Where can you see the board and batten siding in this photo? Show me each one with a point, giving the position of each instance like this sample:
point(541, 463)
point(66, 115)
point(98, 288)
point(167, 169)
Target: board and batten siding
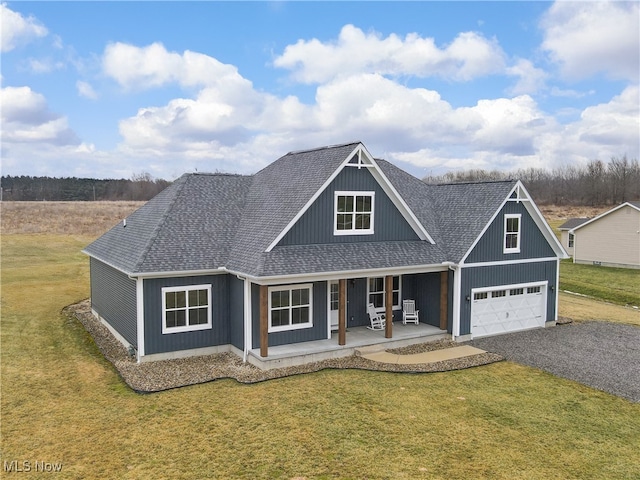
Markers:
point(218, 334)
point(236, 312)
point(317, 223)
point(499, 275)
point(113, 297)
point(317, 332)
point(533, 244)
point(613, 239)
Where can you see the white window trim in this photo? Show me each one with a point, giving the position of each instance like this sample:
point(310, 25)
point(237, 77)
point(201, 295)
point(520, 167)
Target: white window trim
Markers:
point(384, 296)
point(516, 249)
point(299, 326)
point(571, 240)
point(354, 194)
point(186, 328)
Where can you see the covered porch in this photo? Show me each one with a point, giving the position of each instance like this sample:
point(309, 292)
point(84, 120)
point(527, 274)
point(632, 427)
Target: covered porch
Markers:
point(355, 338)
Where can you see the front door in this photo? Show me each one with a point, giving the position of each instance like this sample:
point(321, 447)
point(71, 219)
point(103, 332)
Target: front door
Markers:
point(333, 304)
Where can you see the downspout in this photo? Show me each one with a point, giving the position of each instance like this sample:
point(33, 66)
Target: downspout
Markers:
point(557, 289)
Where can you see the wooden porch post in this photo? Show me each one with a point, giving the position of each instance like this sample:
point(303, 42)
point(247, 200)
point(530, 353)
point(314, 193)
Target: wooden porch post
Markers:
point(264, 321)
point(444, 295)
point(342, 311)
point(388, 291)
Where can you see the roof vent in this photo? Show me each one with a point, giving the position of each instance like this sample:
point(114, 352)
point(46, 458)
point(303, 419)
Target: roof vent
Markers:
point(124, 223)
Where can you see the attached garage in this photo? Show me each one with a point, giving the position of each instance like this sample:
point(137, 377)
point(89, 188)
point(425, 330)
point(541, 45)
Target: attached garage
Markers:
point(508, 308)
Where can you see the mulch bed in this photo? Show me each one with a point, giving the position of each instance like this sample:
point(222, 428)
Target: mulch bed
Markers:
point(162, 375)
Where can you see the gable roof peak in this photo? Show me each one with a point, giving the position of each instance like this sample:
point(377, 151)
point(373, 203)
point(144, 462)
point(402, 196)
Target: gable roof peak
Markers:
point(326, 147)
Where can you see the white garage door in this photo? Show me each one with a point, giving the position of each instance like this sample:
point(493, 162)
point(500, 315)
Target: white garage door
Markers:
point(507, 309)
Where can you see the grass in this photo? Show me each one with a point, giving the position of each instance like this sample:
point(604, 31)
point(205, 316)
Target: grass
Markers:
point(616, 285)
point(62, 402)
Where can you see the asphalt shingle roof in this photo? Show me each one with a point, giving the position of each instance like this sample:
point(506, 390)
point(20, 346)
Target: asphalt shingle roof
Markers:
point(208, 221)
point(572, 223)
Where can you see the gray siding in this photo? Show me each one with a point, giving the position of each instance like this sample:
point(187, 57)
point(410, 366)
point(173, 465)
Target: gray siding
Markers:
point(533, 244)
point(316, 225)
point(478, 277)
point(220, 332)
point(236, 312)
point(113, 297)
point(317, 332)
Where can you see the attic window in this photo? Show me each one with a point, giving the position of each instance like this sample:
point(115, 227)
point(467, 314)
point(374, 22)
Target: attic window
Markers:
point(353, 213)
point(512, 233)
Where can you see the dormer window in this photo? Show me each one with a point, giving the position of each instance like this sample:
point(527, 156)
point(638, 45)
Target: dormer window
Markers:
point(353, 213)
point(512, 233)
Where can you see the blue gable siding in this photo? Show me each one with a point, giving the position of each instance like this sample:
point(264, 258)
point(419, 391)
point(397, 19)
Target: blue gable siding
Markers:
point(533, 244)
point(113, 297)
point(317, 332)
point(497, 275)
point(219, 334)
point(316, 225)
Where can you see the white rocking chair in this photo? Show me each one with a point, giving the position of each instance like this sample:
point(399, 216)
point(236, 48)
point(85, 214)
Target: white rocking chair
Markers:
point(409, 312)
point(378, 320)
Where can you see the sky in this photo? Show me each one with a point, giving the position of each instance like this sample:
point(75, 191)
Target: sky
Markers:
point(117, 89)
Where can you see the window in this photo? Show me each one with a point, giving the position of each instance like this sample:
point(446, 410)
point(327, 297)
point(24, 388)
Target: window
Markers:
point(480, 296)
point(290, 307)
point(512, 233)
point(353, 213)
point(516, 291)
point(499, 293)
point(571, 240)
point(533, 289)
point(376, 292)
point(334, 296)
point(185, 309)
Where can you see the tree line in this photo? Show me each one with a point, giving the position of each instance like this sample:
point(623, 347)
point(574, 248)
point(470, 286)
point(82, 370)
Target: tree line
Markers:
point(139, 187)
point(596, 183)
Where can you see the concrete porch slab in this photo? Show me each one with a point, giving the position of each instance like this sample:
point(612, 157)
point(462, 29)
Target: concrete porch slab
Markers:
point(357, 338)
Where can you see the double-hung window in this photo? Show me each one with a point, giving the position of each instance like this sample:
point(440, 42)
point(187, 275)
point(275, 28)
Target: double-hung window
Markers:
point(186, 309)
point(290, 307)
point(377, 294)
point(571, 240)
point(353, 213)
point(512, 233)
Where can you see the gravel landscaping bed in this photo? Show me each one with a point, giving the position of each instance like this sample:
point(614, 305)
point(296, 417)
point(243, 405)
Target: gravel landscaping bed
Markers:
point(600, 354)
point(167, 374)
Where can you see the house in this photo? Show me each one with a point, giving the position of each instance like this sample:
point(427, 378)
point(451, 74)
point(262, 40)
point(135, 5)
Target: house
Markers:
point(283, 263)
point(567, 238)
point(610, 239)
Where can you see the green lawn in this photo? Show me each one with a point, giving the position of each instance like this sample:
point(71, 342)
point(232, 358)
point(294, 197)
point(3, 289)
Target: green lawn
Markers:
point(62, 402)
point(616, 285)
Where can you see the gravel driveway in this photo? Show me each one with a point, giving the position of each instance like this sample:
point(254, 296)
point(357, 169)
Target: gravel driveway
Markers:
point(601, 355)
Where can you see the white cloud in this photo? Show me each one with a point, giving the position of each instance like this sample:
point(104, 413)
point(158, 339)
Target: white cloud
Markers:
point(469, 56)
point(586, 38)
point(26, 118)
point(16, 29)
point(530, 78)
point(153, 66)
point(86, 90)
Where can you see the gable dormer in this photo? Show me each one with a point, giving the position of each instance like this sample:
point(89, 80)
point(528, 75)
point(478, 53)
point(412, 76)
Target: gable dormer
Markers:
point(355, 204)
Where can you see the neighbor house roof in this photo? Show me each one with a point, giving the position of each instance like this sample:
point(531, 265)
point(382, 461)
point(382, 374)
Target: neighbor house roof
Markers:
point(205, 222)
point(634, 205)
point(573, 223)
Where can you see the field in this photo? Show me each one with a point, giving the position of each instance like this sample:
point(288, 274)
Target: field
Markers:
point(63, 403)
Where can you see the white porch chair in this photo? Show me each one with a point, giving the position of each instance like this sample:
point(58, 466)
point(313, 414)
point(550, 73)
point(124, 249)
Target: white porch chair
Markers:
point(409, 312)
point(378, 320)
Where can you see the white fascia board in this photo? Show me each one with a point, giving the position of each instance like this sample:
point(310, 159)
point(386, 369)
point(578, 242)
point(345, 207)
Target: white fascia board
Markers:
point(398, 201)
point(346, 274)
point(311, 200)
point(542, 224)
point(509, 262)
point(604, 214)
point(486, 227)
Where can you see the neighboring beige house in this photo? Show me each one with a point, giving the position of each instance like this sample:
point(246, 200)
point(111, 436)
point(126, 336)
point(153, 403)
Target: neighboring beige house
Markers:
point(566, 237)
point(611, 239)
